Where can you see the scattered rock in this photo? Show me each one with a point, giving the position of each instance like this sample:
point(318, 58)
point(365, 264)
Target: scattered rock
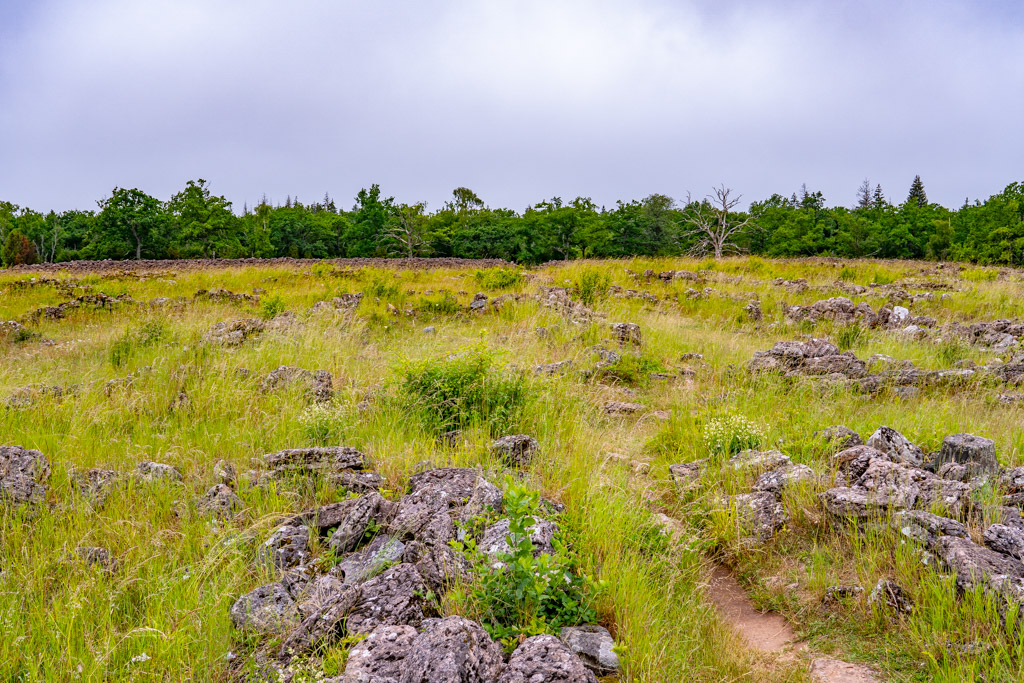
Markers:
point(840, 437)
point(828, 670)
point(687, 475)
point(626, 333)
point(234, 333)
point(380, 657)
point(225, 472)
point(758, 514)
point(268, 609)
point(1008, 540)
point(836, 594)
point(623, 408)
point(545, 658)
point(452, 650)
point(157, 471)
point(287, 547)
point(354, 518)
point(95, 484)
point(888, 440)
point(516, 450)
point(219, 501)
point(775, 481)
point(594, 646)
point(892, 595)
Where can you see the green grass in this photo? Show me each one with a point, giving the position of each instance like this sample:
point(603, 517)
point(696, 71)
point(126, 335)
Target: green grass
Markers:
point(163, 615)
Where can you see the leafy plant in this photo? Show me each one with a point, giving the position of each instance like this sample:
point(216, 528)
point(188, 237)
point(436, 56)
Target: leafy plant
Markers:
point(591, 285)
point(148, 334)
point(271, 306)
point(850, 336)
point(498, 278)
point(464, 390)
point(631, 369)
point(443, 304)
point(731, 434)
point(522, 594)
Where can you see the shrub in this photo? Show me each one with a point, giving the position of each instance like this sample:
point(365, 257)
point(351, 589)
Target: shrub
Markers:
point(444, 304)
point(464, 390)
point(323, 423)
point(953, 349)
point(591, 285)
point(149, 334)
point(18, 250)
point(631, 369)
point(382, 289)
point(882, 278)
point(498, 278)
point(271, 306)
point(523, 595)
point(731, 434)
point(850, 336)
point(847, 274)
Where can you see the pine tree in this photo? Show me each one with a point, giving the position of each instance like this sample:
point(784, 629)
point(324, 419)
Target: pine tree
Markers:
point(917, 192)
point(864, 195)
point(879, 199)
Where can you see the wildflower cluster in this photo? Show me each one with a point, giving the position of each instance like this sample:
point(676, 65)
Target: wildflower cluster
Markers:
point(731, 434)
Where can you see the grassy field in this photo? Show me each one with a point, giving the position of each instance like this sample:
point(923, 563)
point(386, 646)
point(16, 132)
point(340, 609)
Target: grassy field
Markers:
point(163, 613)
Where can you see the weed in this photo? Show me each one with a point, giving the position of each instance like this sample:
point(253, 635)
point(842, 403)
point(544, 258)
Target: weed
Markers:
point(498, 278)
point(464, 390)
point(271, 306)
point(382, 289)
point(523, 594)
point(731, 434)
point(591, 285)
point(953, 349)
point(850, 336)
point(630, 369)
point(149, 334)
point(442, 304)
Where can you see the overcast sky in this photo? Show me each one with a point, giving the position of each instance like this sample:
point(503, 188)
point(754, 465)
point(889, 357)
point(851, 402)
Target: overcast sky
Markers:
point(519, 101)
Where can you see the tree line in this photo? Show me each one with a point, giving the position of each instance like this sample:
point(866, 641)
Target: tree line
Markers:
point(195, 223)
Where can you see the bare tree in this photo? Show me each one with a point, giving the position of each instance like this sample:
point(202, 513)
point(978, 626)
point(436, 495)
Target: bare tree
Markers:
point(711, 223)
point(409, 230)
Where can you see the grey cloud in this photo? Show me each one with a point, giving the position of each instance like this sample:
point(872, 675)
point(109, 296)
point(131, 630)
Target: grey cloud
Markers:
point(518, 100)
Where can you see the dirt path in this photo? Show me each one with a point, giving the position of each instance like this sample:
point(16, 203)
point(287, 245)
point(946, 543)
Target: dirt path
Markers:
point(766, 631)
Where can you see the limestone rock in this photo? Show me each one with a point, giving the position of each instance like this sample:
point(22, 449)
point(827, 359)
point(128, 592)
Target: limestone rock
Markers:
point(268, 609)
point(594, 646)
point(398, 596)
point(977, 453)
point(545, 659)
point(452, 650)
point(287, 547)
point(156, 471)
point(379, 554)
point(888, 440)
point(495, 539)
point(219, 501)
point(516, 450)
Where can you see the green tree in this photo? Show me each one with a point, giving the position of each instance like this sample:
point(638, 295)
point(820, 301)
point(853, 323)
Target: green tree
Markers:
point(18, 249)
point(917, 194)
point(203, 224)
point(129, 221)
point(370, 217)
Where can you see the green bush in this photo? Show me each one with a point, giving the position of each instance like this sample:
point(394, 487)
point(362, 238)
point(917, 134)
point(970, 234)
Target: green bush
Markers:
point(498, 278)
point(271, 306)
point(850, 336)
point(149, 334)
point(731, 434)
point(630, 369)
point(953, 349)
point(464, 390)
point(443, 304)
point(591, 285)
point(526, 595)
point(382, 289)
point(847, 274)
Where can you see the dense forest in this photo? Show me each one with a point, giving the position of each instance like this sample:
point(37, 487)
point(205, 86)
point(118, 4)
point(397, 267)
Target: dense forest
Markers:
point(195, 223)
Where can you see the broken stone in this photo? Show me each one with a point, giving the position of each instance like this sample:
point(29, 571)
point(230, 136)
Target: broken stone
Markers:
point(398, 596)
point(268, 609)
point(545, 659)
point(378, 555)
point(354, 519)
point(95, 484)
point(775, 481)
point(287, 547)
point(1005, 539)
point(452, 650)
point(219, 501)
point(380, 657)
point(594, 646)
point(977, 453)
point(516, 450)
point(759, 514)
point(890, 594)
point(686, 475)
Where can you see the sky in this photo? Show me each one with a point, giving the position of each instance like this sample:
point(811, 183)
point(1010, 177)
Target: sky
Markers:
point(518, 100)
